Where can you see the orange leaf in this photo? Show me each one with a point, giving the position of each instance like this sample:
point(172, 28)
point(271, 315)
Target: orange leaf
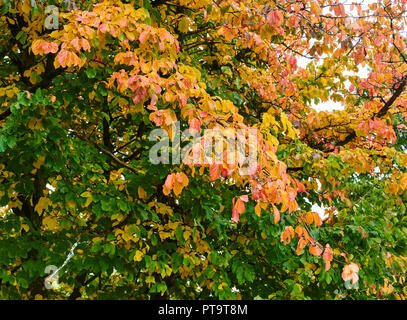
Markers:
point(214, 171)
point(287, 234)
point(177, 188)
point(315, 250)
point(309, 218)
point(235, 215)
point(257, 209)
point(327, 256)
point(301, 244)
point(240, 206)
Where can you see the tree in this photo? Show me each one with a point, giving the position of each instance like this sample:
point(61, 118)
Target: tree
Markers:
point(98, 203)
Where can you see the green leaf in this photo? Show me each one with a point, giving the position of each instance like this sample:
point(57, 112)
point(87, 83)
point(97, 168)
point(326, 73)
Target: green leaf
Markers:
point(11, 141)
point(21, 37)
point(3, 143)
point(91, 73)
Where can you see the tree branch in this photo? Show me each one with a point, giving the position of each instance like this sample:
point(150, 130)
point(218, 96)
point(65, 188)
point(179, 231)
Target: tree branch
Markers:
point(108, 153)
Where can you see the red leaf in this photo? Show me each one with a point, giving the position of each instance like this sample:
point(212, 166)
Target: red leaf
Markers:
point(214, 171)
point(300, 187)
point(225, 172)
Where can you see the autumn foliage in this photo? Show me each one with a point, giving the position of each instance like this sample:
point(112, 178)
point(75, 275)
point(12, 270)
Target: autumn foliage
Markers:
point(319, 214)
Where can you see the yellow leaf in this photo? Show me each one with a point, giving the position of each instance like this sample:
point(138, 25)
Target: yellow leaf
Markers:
point(88, 201)
point(184, 24)
point(51, 222)
point(164, 235)
point(40, 161)
point(89, 198)
point(86, 194)
point(150, 279)
point(42, 204)
point(71, 204)
point(142, 193)
point(186, 234)
point(257, 210)
point(138, 256)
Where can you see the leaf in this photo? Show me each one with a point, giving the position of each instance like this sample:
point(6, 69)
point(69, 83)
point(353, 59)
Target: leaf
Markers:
point(274, 18)
point(184, 24)
point(177, 188)
point(238, 208)
point(287, 234)
point(143, 36)
point(40, 161)
point(169, 183)
point(257, 210)
point(315, 250)
point(91, 73)
point(276, 214)
point(142, 193)
point(350, 272)
point(3, 143)
point(51, 222)
point(194, 126)
point(86, 194)
point(61, 58)
point(215, 171)
point(42, 205)
point(22, 37)
point(11, 141)
point(138, 256)
point(327, 256)
point(244, 198)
